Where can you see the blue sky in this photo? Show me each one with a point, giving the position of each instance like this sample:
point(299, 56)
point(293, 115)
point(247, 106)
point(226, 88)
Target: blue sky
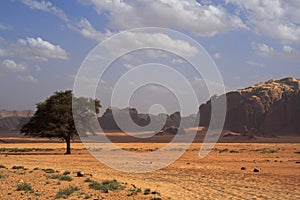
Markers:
point(43, 43)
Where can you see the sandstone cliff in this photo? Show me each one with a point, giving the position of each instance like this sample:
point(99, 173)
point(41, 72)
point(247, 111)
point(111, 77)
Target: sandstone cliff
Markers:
point(269, 108)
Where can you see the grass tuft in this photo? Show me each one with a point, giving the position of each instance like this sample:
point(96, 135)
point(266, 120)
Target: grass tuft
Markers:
point(64, 193)
point(24, 187)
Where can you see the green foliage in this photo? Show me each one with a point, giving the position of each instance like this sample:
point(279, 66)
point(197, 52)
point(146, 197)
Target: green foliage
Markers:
point(64, 193)
point(2, 166)
point(49, 170)
point(66, 173)
point(54, 117)
point(87, 196)
point(24, 149)
point(24, 187)
point(88, 180)
point(54, 176)
point(105, 186)
point(147, 191)
point(134, 191)
point(18, 167)
point(65, 178)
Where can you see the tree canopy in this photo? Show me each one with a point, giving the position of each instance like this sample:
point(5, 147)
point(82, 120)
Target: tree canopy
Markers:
point(54, 117)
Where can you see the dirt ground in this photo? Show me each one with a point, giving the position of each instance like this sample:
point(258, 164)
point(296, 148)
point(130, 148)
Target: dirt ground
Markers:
point(217, 176)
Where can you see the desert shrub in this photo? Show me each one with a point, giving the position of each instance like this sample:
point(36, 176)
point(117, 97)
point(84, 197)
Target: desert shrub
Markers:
point(156, 198)
point(24, 187)
point(66, 173)
point(65, 178)
point(134, 191)
point(234, 151)
point(155, 192)
point(105, 186)
point(49, 170)
point(2, 166)
point(64, 193)
point(223, 150)
point(18, 167)
point(87, 196)
point(147, 191)
point(36, 168)
point(54, 176)
point(88, 180)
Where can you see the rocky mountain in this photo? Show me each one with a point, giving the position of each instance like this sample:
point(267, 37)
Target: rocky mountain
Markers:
point(107, 120)
point(14, 120)
point(268, 108)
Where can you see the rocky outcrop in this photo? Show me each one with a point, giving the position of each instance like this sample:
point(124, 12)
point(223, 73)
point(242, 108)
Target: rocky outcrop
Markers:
point(268, 108)
point(14, 120)
point(108, 123)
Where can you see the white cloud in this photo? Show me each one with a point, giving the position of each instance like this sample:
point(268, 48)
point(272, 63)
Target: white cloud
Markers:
point(278, 19)
point(287, 52)
point(47, 7)
point(255, 64)
point(287, 49)
point(38, 49)
point(87, 30)
point(217, 56)
point(186, 15)
point(11, 65)
point(177, 61)
point(28, 78)
point(130, 40)
point(263, 49)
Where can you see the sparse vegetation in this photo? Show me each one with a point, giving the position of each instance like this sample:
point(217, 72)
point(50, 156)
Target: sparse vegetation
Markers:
point(2, 166)
point(24, 187)
point(134, 191)
point(105, 186)
point(16, 150)
point(49, 170)
point(36, 168)
point(156, 198)
point(147, 191)
point(88, 180)
point(65, 178)
point(64, 193)
point(66, 173)
point(18, 167)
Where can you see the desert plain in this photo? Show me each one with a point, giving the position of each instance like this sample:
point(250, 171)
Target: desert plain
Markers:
point(228, 172)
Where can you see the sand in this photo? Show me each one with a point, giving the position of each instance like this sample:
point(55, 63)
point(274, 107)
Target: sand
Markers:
point(217, 176)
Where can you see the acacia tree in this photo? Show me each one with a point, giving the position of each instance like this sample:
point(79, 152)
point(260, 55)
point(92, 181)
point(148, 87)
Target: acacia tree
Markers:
point(54, 117)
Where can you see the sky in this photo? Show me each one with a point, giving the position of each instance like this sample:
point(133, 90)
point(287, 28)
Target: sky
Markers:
point(43, 44)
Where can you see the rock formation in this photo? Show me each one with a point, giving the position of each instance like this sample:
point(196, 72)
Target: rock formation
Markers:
point(14, 120)
point(268, 108)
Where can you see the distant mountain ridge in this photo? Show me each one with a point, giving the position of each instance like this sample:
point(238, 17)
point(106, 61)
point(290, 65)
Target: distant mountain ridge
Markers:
point(14, 120)
point(267, 108)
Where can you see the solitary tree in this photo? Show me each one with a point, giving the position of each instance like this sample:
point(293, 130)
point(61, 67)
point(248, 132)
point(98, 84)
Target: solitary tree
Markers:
point(54, 117)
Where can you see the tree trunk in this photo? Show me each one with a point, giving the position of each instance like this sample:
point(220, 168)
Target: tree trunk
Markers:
point(68, 143)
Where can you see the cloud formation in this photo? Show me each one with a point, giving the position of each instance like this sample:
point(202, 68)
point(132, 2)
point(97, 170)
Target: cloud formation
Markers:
point(35, 49)
point(11, 65)
point(278, 19)
point(184, 15)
